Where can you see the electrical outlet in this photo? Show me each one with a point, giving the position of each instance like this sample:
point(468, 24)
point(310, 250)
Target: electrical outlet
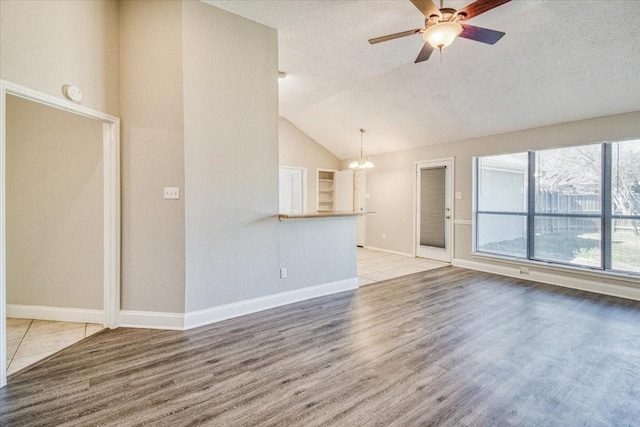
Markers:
point(524, 270)
point(384, 236)
point(283, 273)
point(171, 193)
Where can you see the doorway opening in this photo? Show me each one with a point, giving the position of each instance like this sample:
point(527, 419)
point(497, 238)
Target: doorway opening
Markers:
point(434, 210)
point(109, 232)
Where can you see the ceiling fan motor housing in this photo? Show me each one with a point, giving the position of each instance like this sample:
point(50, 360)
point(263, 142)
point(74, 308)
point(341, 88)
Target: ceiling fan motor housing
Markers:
point(447, 14)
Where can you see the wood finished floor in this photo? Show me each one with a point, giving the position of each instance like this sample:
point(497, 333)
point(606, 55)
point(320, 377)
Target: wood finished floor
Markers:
point(443, 347)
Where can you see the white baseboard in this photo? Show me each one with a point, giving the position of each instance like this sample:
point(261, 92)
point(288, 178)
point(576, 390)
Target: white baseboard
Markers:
point(553, 279)
point(180, 321)
point(389, 251)
point(150, 320)
point(57, 314)
point(241, 308)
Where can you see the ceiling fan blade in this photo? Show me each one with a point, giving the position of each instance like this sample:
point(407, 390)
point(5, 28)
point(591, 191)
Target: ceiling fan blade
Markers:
point(482, 35)
point(425, 53)
point(480, 6)
point(427, 7)
point(396, 36)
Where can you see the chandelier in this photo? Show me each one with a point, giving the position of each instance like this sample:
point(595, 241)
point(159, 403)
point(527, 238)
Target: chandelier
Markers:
point(361, 162)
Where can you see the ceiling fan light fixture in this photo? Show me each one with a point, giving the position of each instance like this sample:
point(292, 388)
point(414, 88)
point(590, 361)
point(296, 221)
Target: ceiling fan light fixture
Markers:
point(442, 34)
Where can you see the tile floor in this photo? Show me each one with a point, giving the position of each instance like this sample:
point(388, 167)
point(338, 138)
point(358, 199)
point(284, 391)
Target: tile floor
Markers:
point(29, 341)
point(375, 266)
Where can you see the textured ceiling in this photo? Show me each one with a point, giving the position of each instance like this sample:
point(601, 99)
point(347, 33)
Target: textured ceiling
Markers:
point(559, 61)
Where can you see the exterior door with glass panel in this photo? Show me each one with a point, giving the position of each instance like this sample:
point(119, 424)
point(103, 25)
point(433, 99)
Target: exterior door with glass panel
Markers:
point(434, 210)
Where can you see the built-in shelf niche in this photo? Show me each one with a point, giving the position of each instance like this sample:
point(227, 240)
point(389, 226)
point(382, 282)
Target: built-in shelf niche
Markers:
point(325, 190)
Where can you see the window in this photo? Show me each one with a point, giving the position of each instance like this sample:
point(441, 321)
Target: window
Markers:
point(568, 205)
point(502, 205)
point(576, 206)
point(625, 206)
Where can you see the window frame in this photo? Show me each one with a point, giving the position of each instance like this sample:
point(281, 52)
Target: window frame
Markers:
point(477, 211)
point(607, 216)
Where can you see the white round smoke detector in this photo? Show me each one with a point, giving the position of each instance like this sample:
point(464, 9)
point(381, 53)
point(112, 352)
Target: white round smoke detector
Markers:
point(72, 92)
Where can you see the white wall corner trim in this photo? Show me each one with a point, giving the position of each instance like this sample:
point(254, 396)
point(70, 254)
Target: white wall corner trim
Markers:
point(553, 279)
point(151, 320)
point(56, 314)
point(241, 308)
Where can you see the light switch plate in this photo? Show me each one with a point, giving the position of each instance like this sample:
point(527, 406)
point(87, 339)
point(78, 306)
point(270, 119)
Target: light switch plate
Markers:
point(172, 193)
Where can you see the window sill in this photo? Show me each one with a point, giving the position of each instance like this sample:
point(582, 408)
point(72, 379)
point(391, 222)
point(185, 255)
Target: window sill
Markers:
point(625, 277)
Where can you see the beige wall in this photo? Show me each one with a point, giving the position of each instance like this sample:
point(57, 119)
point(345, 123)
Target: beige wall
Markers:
point(54, 207)
point(300, 150)
point(235, 246)
point(152, 155)
point(231, 156)
point(47, 44)
point(391, 182)
point(199, 113)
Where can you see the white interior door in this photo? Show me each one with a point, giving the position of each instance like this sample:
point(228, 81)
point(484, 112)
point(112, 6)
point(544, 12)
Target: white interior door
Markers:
point(293, 186)
point(434, 209)
point(359, 202)
point(343, 191)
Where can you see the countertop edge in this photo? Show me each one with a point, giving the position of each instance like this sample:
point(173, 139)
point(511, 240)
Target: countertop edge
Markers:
point(328, 214)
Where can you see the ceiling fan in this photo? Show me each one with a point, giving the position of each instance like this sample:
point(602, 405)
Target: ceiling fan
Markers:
point(442, 25)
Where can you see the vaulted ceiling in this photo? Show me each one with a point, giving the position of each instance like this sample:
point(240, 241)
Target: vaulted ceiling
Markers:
point(559, 61)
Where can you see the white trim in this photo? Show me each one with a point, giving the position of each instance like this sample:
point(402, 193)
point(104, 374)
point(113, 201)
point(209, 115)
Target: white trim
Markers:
point(553, 279)
point(390, 251)
point(151, 320)
point(111, 132)
point(111, 167)
point(180, 321)
point(52, 101)
point(462, 222)
point(241, 308)
point(3, 245)
point(56, 314)
point(562, 268)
